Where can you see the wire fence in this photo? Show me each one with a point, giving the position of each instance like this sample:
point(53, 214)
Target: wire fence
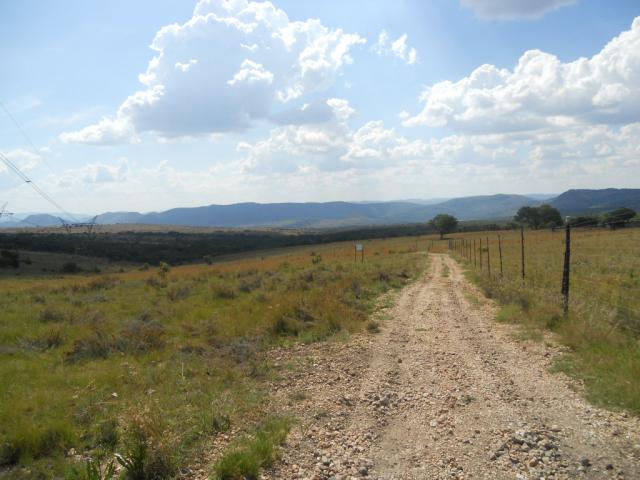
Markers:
point(592, 274)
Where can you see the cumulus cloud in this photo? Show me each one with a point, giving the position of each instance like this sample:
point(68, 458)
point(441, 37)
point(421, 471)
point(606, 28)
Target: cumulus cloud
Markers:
point(330, 146)
point(108, 131)
point(514, 9)
point(233, 63)
point(398, 47)
point(541, 91)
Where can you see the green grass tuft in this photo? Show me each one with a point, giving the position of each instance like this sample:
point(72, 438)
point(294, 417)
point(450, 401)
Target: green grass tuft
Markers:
point(255, 452)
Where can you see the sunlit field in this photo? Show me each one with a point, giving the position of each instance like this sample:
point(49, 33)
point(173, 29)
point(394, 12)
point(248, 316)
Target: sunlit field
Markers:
point(153, 363)
point(603, 325)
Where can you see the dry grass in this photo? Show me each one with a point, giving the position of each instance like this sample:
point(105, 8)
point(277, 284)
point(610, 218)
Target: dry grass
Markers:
point(603, 326)
point(151, 364)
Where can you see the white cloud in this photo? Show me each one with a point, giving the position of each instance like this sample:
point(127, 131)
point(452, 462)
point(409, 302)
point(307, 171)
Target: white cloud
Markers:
point(329, 146)
point(25, 160)
point(398, 47)
point(108, 131)
point(514, 9)
point(541, 91)
point(231, 64)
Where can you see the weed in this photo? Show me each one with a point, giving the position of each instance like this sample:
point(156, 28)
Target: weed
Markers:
point(49, 315)
point(254, 453)
point(373, 327)
point(149, 451)
point(178, 292)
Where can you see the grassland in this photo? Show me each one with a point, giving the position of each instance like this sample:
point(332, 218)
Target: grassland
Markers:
point(602, 329)
point(152, 363)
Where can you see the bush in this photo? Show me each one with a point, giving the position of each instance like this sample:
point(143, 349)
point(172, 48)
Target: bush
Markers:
point(285, 325)
point(53, 338)
point(9, 258)
point(98, 344)
point(70, 267)
point(373, 327)
point(224, 292)
point(178, 292)
point(140, 336)
point(49, 315)
point(149, 449)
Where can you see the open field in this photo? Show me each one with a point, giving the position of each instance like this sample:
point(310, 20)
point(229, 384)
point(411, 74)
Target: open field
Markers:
point(603, 325)
point(155, 364)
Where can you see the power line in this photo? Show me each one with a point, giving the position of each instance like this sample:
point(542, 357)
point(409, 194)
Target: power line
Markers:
point(38, 190)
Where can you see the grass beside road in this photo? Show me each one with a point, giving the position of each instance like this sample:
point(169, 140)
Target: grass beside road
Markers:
point(152, 364)
point(603, 326)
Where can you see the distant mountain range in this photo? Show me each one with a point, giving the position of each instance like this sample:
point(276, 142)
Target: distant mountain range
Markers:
point(344, 214)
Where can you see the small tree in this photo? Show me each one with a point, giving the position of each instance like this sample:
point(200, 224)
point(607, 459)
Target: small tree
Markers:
point(619, 217)
point(549, 216)
point(536, 217)
point(444, 223)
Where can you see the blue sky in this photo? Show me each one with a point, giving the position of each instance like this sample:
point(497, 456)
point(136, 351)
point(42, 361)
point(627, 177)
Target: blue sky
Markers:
point(315, 101)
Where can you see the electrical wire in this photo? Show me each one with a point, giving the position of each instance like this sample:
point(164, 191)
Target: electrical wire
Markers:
point(13, 167)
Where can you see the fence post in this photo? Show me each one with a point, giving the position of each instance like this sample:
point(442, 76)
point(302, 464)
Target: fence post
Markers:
point(488, 258)
point(500, 253)
point(475, 263)
point(480, 253)
point(522, 250)
point(566, 270)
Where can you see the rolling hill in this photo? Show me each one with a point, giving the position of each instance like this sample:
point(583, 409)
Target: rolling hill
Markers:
point(349, 214)
point(573, 202)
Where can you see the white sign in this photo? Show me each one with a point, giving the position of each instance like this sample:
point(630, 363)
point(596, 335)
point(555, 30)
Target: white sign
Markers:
point(359, 247)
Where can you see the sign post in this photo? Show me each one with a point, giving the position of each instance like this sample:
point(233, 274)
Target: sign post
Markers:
point(359, 247)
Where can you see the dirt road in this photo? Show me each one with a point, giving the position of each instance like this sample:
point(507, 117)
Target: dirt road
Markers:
point(443, 391)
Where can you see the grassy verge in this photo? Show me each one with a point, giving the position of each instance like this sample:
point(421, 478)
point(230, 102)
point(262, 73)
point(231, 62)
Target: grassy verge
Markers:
point(253, 452)
point(601, 329)
point(151, 364)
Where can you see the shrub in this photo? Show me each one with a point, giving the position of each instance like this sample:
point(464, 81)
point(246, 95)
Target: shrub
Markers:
point(285, 325)
point(70, 267)
point(373, 327)
point(164, 270)
point(49, 315)
point(98, 344)
point(107, 434)
point(214, 422)
point(149, 449)
point(208, 259)
point(142, 335)
point(53, 338)
point(249, 285)
point(224, 292)
point(9, 258)
point(178, 292)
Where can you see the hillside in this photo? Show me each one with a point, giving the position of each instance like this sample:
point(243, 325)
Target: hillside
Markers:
point(328, 214)
point(574, 202)
point(353, 214)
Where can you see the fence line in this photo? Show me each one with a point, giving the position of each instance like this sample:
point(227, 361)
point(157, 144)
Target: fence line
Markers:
point(565, 263)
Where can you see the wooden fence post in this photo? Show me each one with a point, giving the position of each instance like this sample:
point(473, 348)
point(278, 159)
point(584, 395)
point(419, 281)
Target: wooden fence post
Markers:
point(488, 258)
point(480, 253)
point(522, 250)
point(475, 263)
point(566, 270)
point(500, 253)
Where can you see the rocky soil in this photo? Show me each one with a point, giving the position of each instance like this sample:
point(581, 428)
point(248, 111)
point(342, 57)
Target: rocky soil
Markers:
point(443, 392)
